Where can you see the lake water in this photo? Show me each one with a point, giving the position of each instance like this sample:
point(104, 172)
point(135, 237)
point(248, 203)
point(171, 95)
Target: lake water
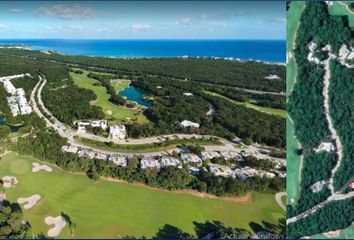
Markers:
point(132, 94)
point(12, 127)
point(263, 50)
point(2, 120)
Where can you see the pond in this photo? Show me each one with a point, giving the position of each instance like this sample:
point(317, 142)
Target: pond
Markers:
point(132, 94)
point(2, 120)
point(14, 128)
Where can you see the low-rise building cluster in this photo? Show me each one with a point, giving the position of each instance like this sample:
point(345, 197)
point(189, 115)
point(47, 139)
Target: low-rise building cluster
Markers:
point(238, 172)
point(17, 101)
point(81, 126)
point(117, 159)
point(191, 161)
point(116, 132)
point(248, 172)
point(149, 162)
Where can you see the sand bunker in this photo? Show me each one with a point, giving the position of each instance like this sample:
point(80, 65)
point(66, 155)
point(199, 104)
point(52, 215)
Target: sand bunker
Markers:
point(332, 234)
point(9, 181)
point(58, 222)
point(30, 201)
point(38, 167)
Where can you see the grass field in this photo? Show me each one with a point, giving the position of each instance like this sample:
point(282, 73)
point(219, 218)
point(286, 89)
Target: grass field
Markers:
point(118, 113)
point(274, 111)
point(342, 9)
point(292, 22)
point(119, 85)
point(109, 209)
point(292, 159)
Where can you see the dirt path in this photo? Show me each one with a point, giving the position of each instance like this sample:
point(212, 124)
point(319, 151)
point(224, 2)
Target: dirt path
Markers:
point(326, 104)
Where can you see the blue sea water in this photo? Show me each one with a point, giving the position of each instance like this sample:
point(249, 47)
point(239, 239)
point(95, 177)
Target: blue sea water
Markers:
point(132, 94)
point(263, 50)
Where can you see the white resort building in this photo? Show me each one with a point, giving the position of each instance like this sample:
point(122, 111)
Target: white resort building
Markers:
point(187, 123)
point(272, 77)
point(81, 126)
point(220, 170)
point(170, 161)
point(118, 160)
point(191, 158)
point(210, 155)
point(70, 149)
point(324, 147)
point(17, 101)
point(149, 163)
point(245, 172)
point(228, 155)
point(117, 132)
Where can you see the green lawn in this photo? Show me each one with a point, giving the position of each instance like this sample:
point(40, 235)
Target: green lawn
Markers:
point(278, 112)
point(292, 21)
point(118, 113)
point(109, 209)
point(119, 85)
point(339, 8)
point(292, 159)
point(347, 233)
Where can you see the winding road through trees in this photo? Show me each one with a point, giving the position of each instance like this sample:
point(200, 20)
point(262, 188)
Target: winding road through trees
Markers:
point(335, 196)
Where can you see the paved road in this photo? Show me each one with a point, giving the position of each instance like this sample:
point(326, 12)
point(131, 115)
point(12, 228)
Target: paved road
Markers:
point(278, 197)
point(334, 197)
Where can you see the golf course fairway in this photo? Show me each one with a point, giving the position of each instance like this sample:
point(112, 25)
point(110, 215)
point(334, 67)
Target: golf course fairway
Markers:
point(106, 209)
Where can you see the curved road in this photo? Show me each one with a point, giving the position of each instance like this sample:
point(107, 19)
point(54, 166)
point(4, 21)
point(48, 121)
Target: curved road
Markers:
point(70, 133)
point(278, 197)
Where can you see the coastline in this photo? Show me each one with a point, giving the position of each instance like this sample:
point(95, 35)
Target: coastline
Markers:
point(236, 55)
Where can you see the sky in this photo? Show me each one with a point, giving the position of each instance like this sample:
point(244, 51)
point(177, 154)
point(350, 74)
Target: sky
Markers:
point(142, 20)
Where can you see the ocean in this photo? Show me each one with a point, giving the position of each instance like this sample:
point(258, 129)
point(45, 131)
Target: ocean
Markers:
point(263, 50)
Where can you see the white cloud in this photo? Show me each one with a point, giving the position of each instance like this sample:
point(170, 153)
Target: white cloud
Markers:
point(3, 26)
point(66, 12)
point(217, 24)
point(138, 27)
point(16, 10)
point(223, 16)
point(184, 21)
point(75, 28)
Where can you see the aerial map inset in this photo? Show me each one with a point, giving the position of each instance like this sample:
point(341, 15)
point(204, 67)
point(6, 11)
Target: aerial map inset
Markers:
point(320, 124)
